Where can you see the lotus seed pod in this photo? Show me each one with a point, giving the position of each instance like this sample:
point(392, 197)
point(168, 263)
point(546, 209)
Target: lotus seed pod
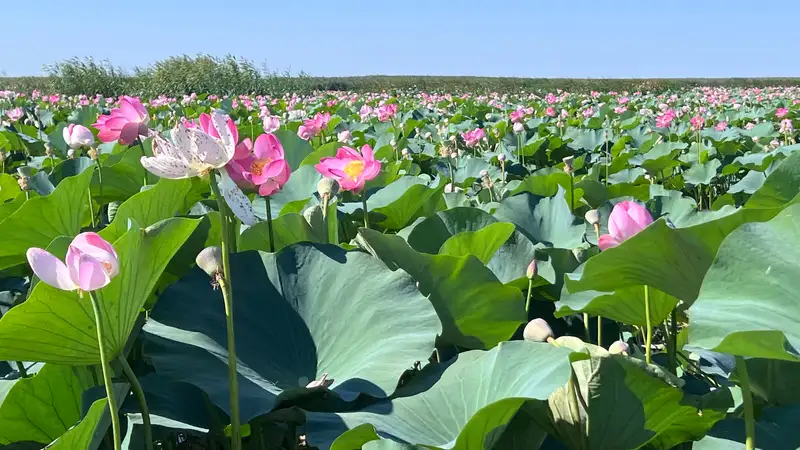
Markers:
point(484, 173)
point(210, 260)
point(569, 162)
point(537, 330)
point(532, 270)
point(327, 186)
point(71, 153)
point(592, 216)
point(619, 348)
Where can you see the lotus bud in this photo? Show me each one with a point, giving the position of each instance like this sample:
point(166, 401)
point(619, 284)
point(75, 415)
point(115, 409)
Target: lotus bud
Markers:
point(501, 157)
point(210, 260)
point(327, 187)
point(92, 152)
point(532, 270)
point(569, 166)
point(71, 153)
point(619, 348)
point(593, 217)
point(537, 330)
point(518, 128)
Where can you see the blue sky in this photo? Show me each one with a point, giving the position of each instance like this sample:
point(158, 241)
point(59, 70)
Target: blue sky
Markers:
point(533, 38)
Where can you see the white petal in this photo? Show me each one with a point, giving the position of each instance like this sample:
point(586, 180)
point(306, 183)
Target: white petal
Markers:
point(236, 200)
point(220, 121)
point(166, 167)
point(208, 150)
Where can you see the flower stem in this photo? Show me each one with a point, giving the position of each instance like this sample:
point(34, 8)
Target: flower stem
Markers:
point(91, 208)
point(227, 297)
point(364, 206)
point(106, 366)
point(673, 337)
point(747, 402)
point(649, 337)
point(139, 392)
point(519, 147)
point(586, 327)
point(600, 331)
point(269, 224)
point(528, 298)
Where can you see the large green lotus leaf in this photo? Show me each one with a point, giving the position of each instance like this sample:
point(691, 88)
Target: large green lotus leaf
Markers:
point(162, 201)
point(41, 219)
point(400, 203)
point(702, 173)
point(92, 429)
point(749, 302)
point(483, 243)
point(288, 229)
point(774, 380)
point(465, 406)
point(629, 403)
point(300, 313)
point(58, 326)
point(69, 168)
point(624, 305)
point(776, 429)
point(476, 310)
point(122, 176)
point(660, 157)
point(470, 168)
point(295, 150)
point(44, 406)
point(509, 261)
point(547, 185)
point(543, 219)
point(780, 187)
point(749, 184)
point(9, 187)
point(761, 130)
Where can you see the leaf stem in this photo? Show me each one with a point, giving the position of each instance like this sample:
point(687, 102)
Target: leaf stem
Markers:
point(21, 369)
point(106, 366)
point(227, 297)
point(649, 336)
point(139, 392)
point(586, 327)
point(364, 206)
point(747, 402)
point(528, 298)
point(269, 224)
point(600, 331)
point(673, 336)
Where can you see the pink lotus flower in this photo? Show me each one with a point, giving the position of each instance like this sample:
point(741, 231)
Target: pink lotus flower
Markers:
point(351, 168)
point(517, 116)
point(125, 123)
point(312, 127)
point(271, 124)
point(77, 136)
point(626, 219)
point(207, 125)
point(721, 126)
point(697, 122)
point(344, 136)
point(550, 112)
point(386, 112)
point(550, 98)
point(365, 112)
point(473, 137)
point(620, 109)
point(588, 112)
point(265, 167)
point(15, 114)
point(781, 112)
point(786, 126)
point(91, 263)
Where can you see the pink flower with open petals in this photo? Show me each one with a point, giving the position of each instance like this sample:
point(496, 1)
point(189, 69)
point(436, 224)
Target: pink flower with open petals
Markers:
point(721, 126)
point(351, 168)
point(312, 127)
point(15, 114)
point(265, 167)
point(207, 125)
point(91, 263)
point(125, 123)
point(697, 122)
point(77, 136)
point(781, 112)
point(626, 219)
point(473, 137)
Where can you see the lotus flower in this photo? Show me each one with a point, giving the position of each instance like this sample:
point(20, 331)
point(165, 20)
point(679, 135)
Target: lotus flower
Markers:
point(77, 136)
point(697, 122)
point(473, 137)
point(125, 123)
point(271, 124)
point(386, 112)
point(626, 219)
point(265, 167)
point(91, 263)
point(208, 126)
point(781, 112)
point(351, 168)
point(191, 152)
point(312, 127)
point(15, 114)
point(365, 112)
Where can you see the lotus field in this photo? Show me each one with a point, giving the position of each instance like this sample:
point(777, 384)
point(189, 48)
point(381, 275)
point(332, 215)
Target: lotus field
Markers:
point(341, 271)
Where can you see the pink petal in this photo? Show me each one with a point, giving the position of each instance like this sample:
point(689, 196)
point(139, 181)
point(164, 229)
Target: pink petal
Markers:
point(372, 169)
point(268, 188)
point(243, 150)
point(606, 242)
point(620, 224)
point(367, 152)
point(206, 126)
point(348, 153)
point(50, 269)
point(129, 133)
point(640, 215)
point(130, 111)
point(91, 274)
point(91, 243)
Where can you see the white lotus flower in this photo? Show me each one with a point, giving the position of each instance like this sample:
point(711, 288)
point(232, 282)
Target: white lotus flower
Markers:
point(191, 152)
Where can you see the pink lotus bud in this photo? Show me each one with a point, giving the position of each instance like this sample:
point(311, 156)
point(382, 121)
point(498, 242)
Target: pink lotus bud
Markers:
point(619, 348)
point(537, 330)
point(532, 270)
point(518, 128)
point(592, 216)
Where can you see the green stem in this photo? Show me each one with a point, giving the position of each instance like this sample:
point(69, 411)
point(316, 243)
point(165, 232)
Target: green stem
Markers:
point(21, 369)
point(269, 225)
point(364, 207)
point(571, 193)
point(227, 297)
point(91, 208)
point(649, 337)
point(599, 331)
point(139, 392)
point(138, 142)
point(104, 364)
point(528, 299)
point(747, 402)
point(673, 347)
point(519, 148)
point(586, 327)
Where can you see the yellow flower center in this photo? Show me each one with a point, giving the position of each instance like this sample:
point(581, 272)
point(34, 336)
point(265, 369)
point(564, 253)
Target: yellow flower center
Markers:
point(353, 169)
point(257, 167)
